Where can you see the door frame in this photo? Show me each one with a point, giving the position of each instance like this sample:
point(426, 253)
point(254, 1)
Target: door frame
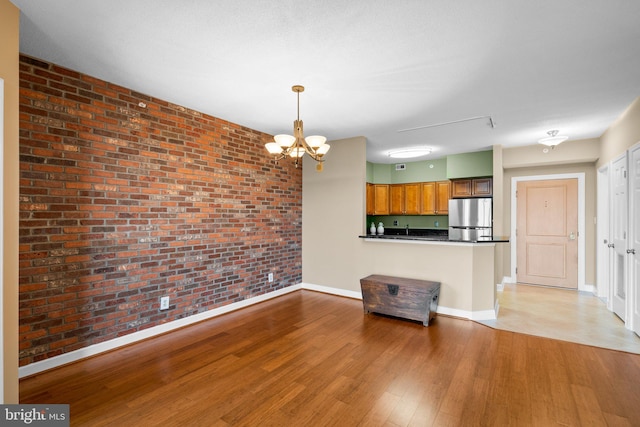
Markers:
point(582, 286)
point(2, 240)
point(633, 287)
point(603, 232)
point(619, 308)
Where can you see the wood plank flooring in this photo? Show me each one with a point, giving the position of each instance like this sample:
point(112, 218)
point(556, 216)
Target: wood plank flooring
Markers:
point(310, 359)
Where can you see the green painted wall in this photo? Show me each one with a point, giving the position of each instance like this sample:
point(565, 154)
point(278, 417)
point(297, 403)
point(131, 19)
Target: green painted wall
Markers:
point(470, 165)
point(466, 165)
point(369, 172)
point(423, 171)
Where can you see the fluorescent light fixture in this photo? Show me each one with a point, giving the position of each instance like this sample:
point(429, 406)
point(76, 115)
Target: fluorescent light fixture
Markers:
point(408, 153)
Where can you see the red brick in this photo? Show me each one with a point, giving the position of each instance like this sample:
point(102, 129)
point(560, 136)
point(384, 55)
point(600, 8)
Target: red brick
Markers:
point(153, 195)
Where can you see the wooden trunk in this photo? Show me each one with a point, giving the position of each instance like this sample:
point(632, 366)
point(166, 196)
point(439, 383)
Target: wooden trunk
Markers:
point(396, 296)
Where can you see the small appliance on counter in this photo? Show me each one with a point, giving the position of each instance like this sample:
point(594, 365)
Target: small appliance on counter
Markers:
point(470, 219)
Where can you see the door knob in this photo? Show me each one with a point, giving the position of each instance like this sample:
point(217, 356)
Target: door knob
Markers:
point(631, 251)
point(611, 245)
point(572, 236)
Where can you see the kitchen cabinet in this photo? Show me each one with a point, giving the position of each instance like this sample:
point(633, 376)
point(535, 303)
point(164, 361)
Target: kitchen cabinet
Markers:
point(435, 198)
point(412, 198)
point(404, 199)
point(380, 199)
point(475, 187)
point(370, 199)
point(416, 198)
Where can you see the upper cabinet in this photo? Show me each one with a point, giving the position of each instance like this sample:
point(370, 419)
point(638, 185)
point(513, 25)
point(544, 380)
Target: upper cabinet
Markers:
point(380, 199)
point(370, 198)
point(435, 198)
point(416, 198)
point(474, 187)
point(404, 199)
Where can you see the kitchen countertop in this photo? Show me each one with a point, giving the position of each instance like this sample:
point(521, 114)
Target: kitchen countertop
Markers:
point(435, 238)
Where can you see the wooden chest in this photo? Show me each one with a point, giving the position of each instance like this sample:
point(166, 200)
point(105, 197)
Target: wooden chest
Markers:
point(396, 296)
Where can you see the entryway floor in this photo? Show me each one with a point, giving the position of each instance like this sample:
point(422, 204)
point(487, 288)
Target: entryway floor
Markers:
point(561, 314)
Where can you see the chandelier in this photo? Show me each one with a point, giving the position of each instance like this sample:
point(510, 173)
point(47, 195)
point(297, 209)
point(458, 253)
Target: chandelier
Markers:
point(295, 146)
point(553, 139)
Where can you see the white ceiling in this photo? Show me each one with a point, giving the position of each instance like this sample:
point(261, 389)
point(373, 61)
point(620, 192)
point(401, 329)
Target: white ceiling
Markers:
point(370, 67)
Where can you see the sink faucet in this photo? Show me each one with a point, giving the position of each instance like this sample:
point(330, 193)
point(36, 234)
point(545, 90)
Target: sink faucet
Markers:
point(407, 229)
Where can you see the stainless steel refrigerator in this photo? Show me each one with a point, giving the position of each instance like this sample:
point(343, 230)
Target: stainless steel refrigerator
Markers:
point(470, 219)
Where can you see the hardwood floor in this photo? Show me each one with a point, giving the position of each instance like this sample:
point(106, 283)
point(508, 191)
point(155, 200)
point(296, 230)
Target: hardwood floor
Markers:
point(562, 314)
point(310, 359)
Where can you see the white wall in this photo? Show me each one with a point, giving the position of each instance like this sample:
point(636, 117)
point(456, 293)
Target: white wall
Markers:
point(333, 215)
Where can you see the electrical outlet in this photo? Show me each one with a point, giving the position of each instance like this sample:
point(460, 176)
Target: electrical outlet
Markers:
point(270, 277)
point(164, 303)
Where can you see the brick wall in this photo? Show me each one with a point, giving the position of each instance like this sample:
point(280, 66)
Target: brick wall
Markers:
point(125, 198)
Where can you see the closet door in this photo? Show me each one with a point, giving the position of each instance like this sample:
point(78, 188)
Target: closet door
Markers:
point(619, 236)
point(633, 249)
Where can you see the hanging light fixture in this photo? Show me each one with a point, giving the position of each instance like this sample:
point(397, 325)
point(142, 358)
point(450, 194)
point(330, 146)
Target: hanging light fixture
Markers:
point(553, 139)
point(297, 145)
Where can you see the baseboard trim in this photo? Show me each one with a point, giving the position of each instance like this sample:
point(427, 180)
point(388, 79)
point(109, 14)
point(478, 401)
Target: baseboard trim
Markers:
point(588, 288)
point(332, 291)
point(465, 314)
point(93, 350)
point(454, 312)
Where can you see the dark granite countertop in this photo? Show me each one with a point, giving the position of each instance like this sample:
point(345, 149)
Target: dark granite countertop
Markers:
point(435, 238)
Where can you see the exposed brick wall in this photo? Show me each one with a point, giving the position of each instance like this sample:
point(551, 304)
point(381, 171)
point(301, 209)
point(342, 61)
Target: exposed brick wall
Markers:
point(125, 198)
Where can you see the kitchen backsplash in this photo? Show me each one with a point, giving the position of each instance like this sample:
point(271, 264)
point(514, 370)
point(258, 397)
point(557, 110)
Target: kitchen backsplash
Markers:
point(414, 221)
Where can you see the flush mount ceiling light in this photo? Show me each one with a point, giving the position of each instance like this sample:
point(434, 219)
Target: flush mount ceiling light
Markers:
point(295, 146)
point(408, 153)
point(553, 139)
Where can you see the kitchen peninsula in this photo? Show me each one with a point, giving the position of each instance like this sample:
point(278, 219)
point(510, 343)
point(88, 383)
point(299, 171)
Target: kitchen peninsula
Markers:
point(465, 269)
point(416, 242)
point(432, 237)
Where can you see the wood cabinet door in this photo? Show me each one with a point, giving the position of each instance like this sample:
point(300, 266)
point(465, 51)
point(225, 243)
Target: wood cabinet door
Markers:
point(428, 205)
point(461, 188)
point(396, 199)
point(381, 199)
point(482, 187)
point(371, 199)
point(412, 199)
point(442, 196)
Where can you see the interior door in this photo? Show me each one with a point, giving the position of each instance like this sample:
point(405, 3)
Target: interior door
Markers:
point(619, 226)
point(547, 233)
point(634, 241)
point(603, 253)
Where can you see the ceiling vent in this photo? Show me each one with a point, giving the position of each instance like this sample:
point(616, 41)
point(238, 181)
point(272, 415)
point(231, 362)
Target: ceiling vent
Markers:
point(401, 167)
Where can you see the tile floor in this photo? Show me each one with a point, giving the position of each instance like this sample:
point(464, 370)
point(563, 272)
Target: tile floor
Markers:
point(566, 315)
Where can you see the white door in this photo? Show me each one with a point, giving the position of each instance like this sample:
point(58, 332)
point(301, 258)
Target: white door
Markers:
point(603, 253)
point(619, 236)
point(634, 237)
